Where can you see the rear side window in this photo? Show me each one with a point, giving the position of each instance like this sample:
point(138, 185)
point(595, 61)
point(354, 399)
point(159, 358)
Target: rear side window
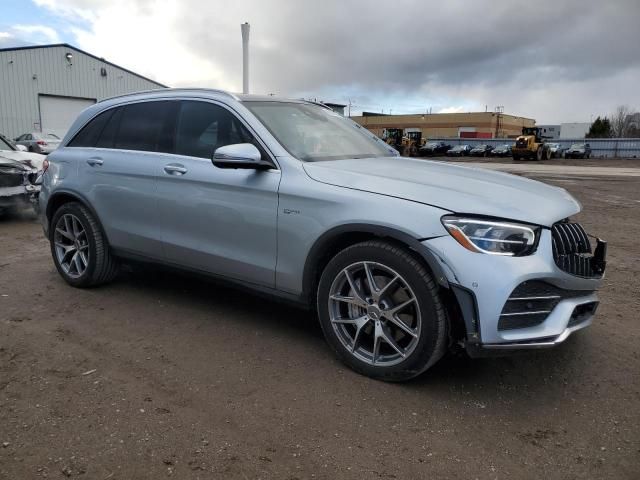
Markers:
point(202, 127)
point(89, 135)
point(141, 126)
point(107, 138)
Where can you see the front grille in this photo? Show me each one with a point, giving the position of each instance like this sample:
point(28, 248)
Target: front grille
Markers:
point(572, 250)
point(531, 302)
point(11, 179)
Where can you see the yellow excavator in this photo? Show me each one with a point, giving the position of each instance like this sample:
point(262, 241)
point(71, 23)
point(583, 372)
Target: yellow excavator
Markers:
point(407, 143)
point(531, 145)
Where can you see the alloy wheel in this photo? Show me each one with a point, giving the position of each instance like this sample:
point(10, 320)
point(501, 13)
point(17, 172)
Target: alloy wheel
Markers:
point(71, 245)
point(374, 313)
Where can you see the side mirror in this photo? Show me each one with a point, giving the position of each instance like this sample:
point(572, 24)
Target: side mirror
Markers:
point(21, 148)
point(239, 155)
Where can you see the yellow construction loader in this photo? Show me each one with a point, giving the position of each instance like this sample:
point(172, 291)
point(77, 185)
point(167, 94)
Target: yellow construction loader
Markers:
point(530, 146)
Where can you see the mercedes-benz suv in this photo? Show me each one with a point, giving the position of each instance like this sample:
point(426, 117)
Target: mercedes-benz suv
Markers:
point(401, 258)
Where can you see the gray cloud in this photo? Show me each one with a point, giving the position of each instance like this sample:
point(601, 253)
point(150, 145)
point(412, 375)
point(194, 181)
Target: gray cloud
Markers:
point(554, 60)
point(404, 44)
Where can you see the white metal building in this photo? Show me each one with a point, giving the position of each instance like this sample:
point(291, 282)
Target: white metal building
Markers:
point(574, 130)
point(550, 131)
point(43, 88)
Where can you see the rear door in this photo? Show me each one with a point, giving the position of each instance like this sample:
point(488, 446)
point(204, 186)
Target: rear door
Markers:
point(119, 155)
point(221, 221)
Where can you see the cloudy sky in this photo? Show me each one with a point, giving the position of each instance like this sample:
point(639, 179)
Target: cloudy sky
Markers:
point(555, 61)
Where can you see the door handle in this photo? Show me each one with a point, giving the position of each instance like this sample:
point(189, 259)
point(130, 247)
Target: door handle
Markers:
point(95, 161)
point(175, 169)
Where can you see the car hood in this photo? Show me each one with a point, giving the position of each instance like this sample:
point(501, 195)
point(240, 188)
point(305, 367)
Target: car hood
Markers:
point(459, 189)
point(28, 158)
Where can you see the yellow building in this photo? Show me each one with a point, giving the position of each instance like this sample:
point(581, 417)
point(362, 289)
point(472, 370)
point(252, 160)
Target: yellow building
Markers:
point(449, 125)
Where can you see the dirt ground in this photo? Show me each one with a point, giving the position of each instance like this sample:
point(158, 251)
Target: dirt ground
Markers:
point(160, 374)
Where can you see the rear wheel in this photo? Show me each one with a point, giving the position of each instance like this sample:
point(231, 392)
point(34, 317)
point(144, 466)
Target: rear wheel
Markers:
point(539, 153)
point(380, 311)
point(79, 248)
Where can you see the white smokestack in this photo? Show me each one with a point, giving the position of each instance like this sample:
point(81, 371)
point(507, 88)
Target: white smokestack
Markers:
point(245, 56)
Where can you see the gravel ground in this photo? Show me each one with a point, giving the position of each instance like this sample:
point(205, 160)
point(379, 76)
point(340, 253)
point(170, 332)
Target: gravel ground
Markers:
point(160, 374)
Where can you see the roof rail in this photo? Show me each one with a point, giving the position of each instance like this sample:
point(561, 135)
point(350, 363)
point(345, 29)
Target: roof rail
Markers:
point(161, 90)
point(320, 104)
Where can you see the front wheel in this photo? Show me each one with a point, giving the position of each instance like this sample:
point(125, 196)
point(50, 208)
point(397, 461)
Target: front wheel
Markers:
point(79, 248)
point(380, 311)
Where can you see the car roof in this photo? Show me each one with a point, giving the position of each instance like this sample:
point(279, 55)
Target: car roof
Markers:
point(202, 92)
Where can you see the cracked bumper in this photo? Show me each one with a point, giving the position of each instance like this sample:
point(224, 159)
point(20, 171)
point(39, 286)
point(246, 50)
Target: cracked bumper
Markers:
point(483, 284)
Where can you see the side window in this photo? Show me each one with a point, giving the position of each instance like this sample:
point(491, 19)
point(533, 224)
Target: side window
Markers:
point(107, 137)
point(141, 126)
point(203, 127)
point(28, 137)
point(90, 133)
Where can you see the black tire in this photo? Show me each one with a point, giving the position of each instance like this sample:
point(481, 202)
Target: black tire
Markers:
point(432, 339)
point(102, 267)
point(539, 154)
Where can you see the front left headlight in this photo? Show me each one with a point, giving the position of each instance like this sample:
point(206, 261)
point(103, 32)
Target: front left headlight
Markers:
point(493, 237)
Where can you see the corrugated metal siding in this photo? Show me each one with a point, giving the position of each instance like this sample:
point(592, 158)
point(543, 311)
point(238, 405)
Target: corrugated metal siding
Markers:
point(600, 147)
point(19, 90)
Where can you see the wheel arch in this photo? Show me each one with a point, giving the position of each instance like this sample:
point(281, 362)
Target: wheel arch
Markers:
point(61, 197)
point(343, 236)
point(460, 304)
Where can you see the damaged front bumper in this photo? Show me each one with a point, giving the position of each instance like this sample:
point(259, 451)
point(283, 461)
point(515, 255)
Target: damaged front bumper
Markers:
point(517, 303)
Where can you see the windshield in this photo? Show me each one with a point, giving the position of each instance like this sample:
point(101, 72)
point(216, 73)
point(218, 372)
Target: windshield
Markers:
point(4, 145)
point(577, 145)
point(312, 133)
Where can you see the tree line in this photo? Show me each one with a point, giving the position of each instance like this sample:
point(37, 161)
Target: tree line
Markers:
point(623, 123)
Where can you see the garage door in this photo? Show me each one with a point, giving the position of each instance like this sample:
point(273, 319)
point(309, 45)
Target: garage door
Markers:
point(58, 113)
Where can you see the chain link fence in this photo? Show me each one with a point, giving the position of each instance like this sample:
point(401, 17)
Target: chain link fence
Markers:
point(600, 147)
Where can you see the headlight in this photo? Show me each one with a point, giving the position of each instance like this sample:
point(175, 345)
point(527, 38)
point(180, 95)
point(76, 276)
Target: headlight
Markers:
point(492, 237)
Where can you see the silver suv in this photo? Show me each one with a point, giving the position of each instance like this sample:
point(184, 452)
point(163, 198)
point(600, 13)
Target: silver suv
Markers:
point(401, 258)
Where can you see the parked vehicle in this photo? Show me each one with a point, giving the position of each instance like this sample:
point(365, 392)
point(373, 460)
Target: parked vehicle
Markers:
point(396, 138)
point(19, 153)
point(459, 151)
point(481, 151)
point(434, 148)
point(16, 184)
point(578, 150)
point(556, 150)
point(401, 259)
point(39, 142)
point(502, 151)
point(530, 145)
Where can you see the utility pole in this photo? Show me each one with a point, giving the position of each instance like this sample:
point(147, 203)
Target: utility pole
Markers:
point(244, 28)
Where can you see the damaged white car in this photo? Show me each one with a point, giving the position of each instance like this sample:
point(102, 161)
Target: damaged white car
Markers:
point(20, 173)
